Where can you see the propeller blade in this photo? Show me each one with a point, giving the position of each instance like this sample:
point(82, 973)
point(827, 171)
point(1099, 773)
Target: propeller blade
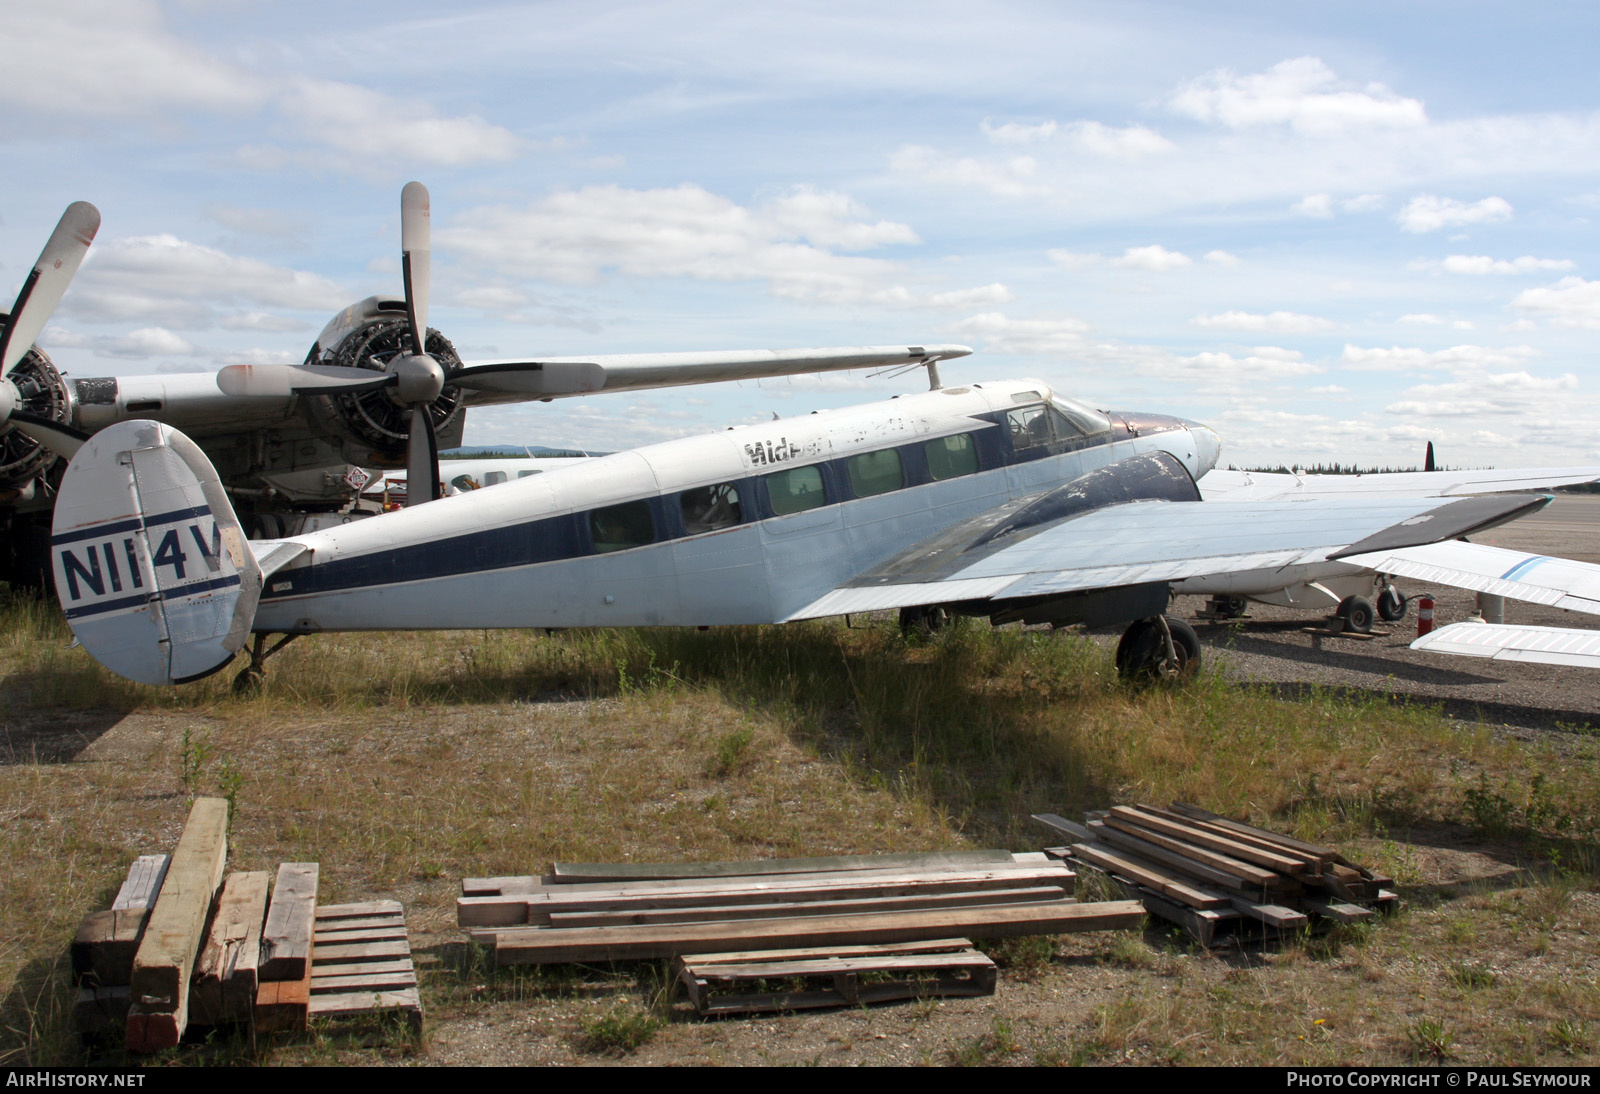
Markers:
point(284, 380)
point(532, 377)
point(45, 284)
point(416, 256)
point(63, 440)
point(1427, 463)
point(422, 459)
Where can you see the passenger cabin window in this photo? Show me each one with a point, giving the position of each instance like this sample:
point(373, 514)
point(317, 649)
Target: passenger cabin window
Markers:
point(618, 527)
point(952, 457)
point(710, 508)
point(796, 490)
point(525, 474)
point(464, 482)
point(494, 478)
point(876, 473)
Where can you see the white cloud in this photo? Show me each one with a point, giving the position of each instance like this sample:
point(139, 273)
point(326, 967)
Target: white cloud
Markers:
point(1429, 212)
point(1303, 93)
point(1013, 178)
point(1483, 264)
point(361, 126)
point(1222, 258)
point(1362, 203)
point(981, 296)
point(1409, 358)
point(1154, 257)
point(264, 321)
point(1018, 132)
point(120, 60)
point(181, 284)
point(144, 342)
point(1266, 364)
point(580, 236)
point(1319, 206)
point(1330, 389)
point(1500, 394)
point(1278, 322)
point(1128, 142)
point(113, 60)
point(1000, 333)
point(1571, 302)
point(1074, 260)
point(1096, 138)
point(1423, 319)
point(829, 219)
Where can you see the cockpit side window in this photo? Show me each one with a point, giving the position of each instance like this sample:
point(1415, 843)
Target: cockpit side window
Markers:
point(1030, 427)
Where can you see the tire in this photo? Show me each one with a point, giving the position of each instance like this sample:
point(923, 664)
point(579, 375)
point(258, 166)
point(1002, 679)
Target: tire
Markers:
point(1391, 605)
point(1357, 613)
point(923, 620)
point(1141, 652)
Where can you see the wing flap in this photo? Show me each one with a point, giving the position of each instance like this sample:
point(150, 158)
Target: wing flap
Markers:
point(1505, 642)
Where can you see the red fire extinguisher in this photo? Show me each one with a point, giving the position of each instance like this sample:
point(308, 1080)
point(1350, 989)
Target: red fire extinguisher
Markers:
point(1424, 615)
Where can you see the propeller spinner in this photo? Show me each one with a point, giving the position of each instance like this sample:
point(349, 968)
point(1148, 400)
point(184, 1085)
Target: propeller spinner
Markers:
point(414, 379)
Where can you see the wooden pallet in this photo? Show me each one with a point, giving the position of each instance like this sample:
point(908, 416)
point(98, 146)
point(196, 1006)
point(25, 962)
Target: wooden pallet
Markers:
point(361, 963)
point(841, 976)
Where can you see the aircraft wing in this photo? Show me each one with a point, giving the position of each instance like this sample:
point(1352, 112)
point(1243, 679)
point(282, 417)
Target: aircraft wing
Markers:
point(1144, 542)
point(1220, 485)
point(1539, 579)
point(1505, 642)
point(554, 377)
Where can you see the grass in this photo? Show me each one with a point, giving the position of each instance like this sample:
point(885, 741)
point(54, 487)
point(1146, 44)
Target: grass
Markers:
point(403, 762)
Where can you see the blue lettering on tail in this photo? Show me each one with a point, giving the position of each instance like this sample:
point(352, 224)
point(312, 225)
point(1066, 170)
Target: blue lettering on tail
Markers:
point(170, 553)
point(73, 569)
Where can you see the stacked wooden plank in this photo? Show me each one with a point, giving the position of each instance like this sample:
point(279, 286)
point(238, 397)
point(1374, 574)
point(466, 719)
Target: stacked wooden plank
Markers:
point(612, 912)
point(105, 945)
point(159, 987)
point(843, 976)
point(183, 945)
point(1207, 872)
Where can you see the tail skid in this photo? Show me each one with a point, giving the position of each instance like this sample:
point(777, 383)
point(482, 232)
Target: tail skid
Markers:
point(152, 568)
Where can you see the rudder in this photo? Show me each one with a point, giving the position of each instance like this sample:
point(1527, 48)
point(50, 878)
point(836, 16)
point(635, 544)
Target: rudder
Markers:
point(152, 567)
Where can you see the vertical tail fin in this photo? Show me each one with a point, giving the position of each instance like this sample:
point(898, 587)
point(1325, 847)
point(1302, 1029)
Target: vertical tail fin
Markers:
point(152, 568)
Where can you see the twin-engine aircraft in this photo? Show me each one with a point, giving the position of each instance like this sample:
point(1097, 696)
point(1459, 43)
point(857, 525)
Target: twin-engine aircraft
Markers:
point(283, 438)
point(1002, 500)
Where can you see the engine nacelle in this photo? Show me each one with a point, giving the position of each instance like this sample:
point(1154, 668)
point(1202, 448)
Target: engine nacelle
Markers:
point(368, 335)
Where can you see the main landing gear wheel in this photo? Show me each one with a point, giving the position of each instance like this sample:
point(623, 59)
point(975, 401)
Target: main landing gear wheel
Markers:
point(1159, 648)
point(1357, 614)
point(924, 619)
point(1391, 605)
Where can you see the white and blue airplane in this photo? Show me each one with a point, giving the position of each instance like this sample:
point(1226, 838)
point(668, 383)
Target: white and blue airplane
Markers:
point(1003, 500)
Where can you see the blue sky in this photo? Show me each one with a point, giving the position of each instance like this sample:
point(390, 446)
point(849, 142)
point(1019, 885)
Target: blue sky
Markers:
point(1331, 231)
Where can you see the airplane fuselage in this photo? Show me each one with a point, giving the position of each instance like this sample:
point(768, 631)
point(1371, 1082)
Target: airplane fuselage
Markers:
point(745, 526)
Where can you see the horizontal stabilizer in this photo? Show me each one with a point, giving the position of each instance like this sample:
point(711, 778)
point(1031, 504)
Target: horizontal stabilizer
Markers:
point(1504, 642)
point(152, 568)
